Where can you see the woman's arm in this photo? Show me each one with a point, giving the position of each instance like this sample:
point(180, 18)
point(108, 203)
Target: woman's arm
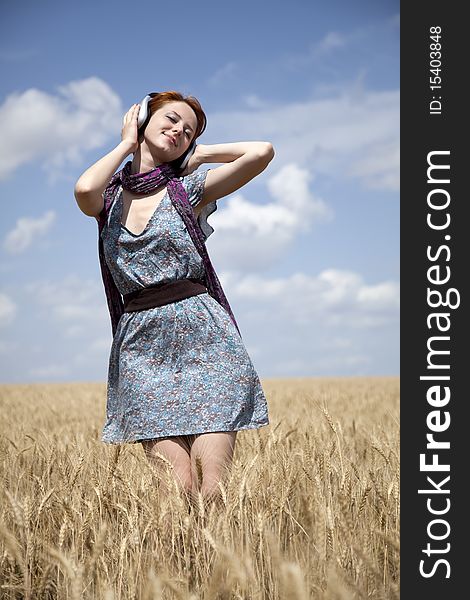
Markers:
point(92, 183)
point(245, 160)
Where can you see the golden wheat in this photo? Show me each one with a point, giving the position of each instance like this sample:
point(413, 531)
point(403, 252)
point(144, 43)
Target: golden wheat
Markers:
point(309, 508)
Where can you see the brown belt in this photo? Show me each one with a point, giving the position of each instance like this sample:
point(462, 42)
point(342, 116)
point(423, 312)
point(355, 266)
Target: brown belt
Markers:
point(163, 293)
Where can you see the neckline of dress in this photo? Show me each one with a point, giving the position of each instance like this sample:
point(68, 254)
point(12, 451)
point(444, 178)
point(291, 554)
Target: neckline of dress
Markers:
point(148, 222)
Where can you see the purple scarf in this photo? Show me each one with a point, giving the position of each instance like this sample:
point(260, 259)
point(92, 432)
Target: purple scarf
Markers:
point(143, 183)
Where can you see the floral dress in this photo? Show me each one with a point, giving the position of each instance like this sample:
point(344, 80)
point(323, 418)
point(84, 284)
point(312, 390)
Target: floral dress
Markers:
point(181, 368)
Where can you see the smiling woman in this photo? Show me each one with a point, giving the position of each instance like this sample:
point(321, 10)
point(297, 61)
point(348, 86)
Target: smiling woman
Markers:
point(180, 380)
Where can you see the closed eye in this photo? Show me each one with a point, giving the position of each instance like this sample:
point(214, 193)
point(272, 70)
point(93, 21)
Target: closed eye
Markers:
point(187, 132)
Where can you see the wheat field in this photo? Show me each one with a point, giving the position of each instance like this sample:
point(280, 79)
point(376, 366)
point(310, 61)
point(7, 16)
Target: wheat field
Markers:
point(310, 508)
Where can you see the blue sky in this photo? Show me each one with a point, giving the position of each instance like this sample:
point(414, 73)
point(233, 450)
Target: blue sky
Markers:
point(307, 252)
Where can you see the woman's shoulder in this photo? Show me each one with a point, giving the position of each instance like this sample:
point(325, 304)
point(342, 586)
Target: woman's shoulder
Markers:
point(194, 176)
point(109, 204)
point(194, 185)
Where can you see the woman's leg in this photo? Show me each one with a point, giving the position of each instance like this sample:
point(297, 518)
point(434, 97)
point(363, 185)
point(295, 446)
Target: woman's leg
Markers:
point(214, 452)
point(176, 450)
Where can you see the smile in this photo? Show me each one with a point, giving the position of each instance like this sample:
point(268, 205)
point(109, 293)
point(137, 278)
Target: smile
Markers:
point(171, 138)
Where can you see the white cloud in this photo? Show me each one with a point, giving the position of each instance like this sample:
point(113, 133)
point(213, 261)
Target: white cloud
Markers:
point(339, 363)
point(329, 42)
point(74, 331)
point(329, 323)
point(333, 362)
point(8, 309)
point(27, 229)
point(8, 348)
point(99, 345)
point(254, 101)
point(378, 296)
point(340, 343)
point(290, 187)
point(318, 49)
point(51, 371)
point(334, 297)
point(380, 169)
point(353, 133)
point(224, 73)
point(395, 20)
point(261, 233)
point(73, 299)
point(96, 351)
point(57, 129)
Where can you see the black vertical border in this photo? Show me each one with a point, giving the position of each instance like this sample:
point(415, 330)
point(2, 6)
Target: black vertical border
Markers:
point(422, 133)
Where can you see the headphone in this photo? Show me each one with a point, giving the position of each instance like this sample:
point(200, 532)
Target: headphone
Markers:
point(142, 122)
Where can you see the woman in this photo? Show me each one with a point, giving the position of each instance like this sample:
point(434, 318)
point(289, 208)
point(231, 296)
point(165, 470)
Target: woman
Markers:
point(180, 380)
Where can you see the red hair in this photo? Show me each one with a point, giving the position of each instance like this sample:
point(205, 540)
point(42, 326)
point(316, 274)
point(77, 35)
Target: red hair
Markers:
point(164, 97)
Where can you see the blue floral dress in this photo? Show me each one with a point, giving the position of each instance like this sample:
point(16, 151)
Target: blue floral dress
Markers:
point(180, 368)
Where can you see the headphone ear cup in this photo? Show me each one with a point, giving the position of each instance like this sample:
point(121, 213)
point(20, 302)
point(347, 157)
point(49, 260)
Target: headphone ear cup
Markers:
point(187, 155)
point(144, 112)
point(182, 162)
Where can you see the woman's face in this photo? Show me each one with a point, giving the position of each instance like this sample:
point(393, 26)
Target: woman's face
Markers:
point(171, 130)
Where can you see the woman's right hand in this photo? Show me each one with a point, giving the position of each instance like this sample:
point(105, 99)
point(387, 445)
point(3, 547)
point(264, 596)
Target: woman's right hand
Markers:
point(129, 131)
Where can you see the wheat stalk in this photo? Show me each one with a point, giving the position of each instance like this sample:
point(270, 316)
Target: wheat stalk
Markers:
point(300, 491)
